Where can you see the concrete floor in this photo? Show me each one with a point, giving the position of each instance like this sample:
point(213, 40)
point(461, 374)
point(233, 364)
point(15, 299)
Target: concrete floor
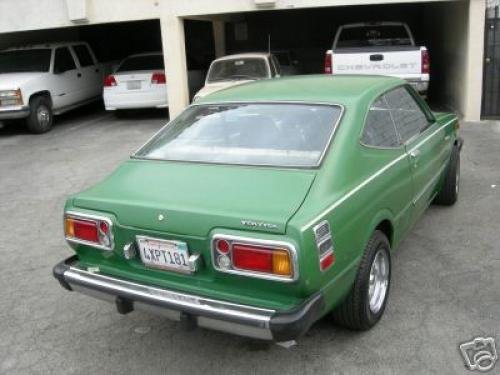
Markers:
point(445, 287)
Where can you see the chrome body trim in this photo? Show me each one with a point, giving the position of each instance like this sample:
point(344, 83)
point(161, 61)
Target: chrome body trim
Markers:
point(214, 314)
point(303, 102)
point(256, 242)
point(354, 190)
point(83, 215)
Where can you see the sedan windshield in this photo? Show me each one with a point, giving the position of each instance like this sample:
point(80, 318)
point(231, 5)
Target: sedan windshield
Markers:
point(24, 61)
point(282, 135)
point(238, 69)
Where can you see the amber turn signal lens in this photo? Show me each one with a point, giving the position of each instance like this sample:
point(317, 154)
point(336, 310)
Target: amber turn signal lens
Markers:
point(282, 264)
point(69, 228)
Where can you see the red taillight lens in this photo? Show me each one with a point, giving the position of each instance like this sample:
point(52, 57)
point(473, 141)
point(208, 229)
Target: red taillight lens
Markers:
point(328, 63)
point(109, 81)
point(158, 78)
point(222, 246)
point(252, 258)
point(87, 229)
point(327, 261)
point(426, 62)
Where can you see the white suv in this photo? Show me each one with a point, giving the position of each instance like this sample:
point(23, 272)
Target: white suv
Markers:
point(40, 81)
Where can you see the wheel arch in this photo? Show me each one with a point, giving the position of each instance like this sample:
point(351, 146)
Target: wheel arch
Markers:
point(45, 93)
point(384, 222)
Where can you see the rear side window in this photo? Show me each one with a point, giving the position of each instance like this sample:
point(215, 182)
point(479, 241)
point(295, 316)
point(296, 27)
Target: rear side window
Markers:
point(63, 60)
point(408, 117)
point(83, 54)
point(146, 62)
point(379, 128)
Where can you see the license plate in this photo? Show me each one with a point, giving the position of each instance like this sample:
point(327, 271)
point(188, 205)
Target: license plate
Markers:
point(133, 85)
point(164, 254)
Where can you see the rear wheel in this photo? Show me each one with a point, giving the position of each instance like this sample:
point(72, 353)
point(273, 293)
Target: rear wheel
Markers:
point(448, 194)
point(41, 118)
point(365, 304)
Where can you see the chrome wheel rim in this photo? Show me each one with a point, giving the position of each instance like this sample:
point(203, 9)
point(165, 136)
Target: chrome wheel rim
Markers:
point(379, 281)
point(43, 116)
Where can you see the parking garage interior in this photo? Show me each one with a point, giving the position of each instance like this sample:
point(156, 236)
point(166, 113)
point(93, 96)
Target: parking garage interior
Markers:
point(308, 33)
point(305, 33)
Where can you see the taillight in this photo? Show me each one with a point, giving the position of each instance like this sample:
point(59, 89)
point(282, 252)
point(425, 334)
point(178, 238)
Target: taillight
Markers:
point(324, 244)
point(158, 78)
point(426, 62)
point(109, 81)
point(328, 63)
point(88, 229)
point(264, 259)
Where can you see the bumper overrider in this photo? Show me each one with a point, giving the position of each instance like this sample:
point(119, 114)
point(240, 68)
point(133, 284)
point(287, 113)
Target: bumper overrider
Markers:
point(244, 320)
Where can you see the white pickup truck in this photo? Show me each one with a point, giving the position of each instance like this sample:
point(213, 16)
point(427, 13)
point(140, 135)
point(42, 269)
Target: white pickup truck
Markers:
point(40, 81)
point(385, 48)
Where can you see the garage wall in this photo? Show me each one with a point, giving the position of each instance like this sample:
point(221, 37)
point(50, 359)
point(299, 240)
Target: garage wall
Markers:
point(23, 15)
point(446, 26)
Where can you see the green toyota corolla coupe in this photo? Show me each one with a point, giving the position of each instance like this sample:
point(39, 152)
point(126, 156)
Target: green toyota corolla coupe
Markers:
point(264, 207)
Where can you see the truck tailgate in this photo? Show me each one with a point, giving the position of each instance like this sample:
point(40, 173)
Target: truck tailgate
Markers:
point(394, 61)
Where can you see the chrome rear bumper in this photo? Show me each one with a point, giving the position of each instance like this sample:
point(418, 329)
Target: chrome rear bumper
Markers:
point(196, 310)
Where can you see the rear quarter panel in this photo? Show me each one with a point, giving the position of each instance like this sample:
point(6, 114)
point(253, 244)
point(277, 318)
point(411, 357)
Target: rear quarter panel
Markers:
point(357, 188)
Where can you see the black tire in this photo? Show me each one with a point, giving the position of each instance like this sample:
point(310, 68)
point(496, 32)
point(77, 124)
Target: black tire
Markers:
point(355, 312)
point(41, 117)
point(448, 194)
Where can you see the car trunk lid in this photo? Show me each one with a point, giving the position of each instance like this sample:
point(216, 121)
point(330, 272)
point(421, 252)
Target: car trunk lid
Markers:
point(134, 81)
point(195, 198)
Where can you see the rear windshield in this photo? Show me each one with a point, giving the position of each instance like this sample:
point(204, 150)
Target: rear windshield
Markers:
point(373, 36)
point(150, 62)
point(23, 61)
point(283, 135)
point(236, 69)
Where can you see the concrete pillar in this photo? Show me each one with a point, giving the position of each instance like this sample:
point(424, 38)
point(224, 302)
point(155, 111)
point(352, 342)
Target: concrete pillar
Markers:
point(219, 37)
point(174, 52)
point(474, 65)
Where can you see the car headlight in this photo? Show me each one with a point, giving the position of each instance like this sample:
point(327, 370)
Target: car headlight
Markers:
point(11, 97)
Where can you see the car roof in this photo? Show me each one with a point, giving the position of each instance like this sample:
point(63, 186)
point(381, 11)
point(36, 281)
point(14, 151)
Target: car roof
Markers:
point(45, 45)
point(154, 53)
point(332, 89)
point(244, 55)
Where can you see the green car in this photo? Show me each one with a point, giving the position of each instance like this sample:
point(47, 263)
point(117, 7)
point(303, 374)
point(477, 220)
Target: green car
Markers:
point(264, 207)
